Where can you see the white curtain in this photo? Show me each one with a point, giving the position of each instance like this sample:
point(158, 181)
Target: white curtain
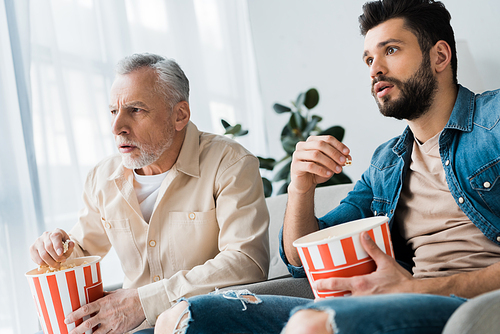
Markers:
point(56, 69)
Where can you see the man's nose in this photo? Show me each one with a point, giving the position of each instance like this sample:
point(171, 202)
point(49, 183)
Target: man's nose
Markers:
point(120, 123)
point(378, 67)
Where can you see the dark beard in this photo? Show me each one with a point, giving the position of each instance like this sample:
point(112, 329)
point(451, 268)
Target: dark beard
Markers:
point(417, 94)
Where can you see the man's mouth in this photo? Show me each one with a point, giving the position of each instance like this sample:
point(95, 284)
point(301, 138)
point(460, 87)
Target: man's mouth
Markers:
point(126, 148)
point(382, 88)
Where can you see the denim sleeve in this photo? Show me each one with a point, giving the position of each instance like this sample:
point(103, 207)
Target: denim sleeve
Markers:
point(296, 272)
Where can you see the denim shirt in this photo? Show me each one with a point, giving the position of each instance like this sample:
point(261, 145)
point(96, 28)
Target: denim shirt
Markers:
point(469, 146)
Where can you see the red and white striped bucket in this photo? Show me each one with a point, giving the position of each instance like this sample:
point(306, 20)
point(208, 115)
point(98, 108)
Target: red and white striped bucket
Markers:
point(337, 252)
point(59, 293)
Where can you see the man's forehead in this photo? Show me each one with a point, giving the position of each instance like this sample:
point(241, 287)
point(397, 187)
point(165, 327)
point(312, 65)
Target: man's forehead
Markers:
point(133, 84)
point(392, 30)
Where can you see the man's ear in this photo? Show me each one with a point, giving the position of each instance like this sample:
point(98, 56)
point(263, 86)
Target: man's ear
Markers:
point(441, 56)
point(182, 114)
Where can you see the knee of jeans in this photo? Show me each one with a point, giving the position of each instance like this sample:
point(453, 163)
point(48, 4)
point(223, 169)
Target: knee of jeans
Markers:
point(244, 296)
point(175, 320)
point(312, 320)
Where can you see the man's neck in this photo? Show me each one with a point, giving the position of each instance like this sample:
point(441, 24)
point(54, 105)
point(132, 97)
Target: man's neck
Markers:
point(435, 119)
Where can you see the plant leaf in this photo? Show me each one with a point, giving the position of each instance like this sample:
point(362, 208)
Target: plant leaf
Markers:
point(283, 173)
point(268, 187)
point(312, 98)
point(283, 189)
point(336, 131)
point(267, 163)
point(289, 143)
point(311, 125)
point(233, 130)
point(280, 109)
point(225, 124)
point(300, 100)
point(297, 123)
point(340, 178)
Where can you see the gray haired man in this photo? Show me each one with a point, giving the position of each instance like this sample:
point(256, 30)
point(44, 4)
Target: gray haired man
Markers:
point(184, 209)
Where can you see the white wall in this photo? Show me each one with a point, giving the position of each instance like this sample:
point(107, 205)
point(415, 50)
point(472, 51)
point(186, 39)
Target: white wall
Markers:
point(301, 44)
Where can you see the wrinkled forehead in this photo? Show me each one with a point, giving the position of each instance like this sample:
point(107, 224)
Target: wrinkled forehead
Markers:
point(136, 83)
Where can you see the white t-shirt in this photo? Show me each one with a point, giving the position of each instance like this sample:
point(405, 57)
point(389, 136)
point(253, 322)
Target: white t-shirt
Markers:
point(147, 187)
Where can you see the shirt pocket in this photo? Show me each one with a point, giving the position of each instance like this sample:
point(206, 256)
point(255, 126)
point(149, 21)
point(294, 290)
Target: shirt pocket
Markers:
point(487, 184)
point(193, 238)
point(122, 239)
point(380, 207)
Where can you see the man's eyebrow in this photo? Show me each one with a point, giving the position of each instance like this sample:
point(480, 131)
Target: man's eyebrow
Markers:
point(384, 43)
point(131, 104)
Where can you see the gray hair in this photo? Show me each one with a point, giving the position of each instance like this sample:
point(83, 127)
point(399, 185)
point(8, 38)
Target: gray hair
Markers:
point(172, 83)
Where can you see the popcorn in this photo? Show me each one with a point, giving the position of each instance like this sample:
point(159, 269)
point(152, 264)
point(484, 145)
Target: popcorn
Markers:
point(65, 246)
point(348, 162)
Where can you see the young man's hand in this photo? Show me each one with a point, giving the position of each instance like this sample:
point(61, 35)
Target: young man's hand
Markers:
point(315, 161)
point(389, 277)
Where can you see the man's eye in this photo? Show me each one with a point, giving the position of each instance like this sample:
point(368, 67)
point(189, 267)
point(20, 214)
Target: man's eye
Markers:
point(369, 61)
point(113, 111)
point(136, 109)
point(391, 50)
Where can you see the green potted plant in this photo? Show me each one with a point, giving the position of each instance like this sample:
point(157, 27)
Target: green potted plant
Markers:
point(301, 124)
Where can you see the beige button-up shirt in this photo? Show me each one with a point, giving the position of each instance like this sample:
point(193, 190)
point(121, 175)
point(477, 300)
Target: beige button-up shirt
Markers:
point(209, 226)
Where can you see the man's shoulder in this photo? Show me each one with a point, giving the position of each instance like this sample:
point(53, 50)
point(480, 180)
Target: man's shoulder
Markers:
point(211, 143)
point(384, 153)
point(487, 113)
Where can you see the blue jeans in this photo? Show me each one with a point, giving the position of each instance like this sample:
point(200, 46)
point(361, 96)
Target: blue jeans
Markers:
point(396, 313)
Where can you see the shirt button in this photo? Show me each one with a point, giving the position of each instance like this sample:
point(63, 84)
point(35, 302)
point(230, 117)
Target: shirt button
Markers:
point(498, 238)
point(486, 184)
point(156, 278)
point(152, 243)
point(375, 213)
point(192, 216)
point(461, 200)
point(108, 225)
point(447, 162)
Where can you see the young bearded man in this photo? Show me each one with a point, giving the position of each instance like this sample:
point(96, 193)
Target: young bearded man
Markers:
point(437, 183)
point(184, 209)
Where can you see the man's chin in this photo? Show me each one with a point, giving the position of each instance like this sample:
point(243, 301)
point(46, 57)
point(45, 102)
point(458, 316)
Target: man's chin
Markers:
point(130, 163)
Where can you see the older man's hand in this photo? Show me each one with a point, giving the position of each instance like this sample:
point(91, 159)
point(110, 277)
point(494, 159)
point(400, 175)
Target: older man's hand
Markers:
point(117, 312)
point(48, 249)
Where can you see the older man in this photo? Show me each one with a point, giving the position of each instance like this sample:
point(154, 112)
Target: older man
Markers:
point(184, 209)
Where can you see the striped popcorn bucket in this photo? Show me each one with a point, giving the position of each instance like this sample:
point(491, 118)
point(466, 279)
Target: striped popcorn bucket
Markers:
point(59, 293)
point(337, 252)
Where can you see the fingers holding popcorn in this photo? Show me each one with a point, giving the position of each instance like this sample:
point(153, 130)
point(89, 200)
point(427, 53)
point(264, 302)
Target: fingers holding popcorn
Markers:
point(52, 248)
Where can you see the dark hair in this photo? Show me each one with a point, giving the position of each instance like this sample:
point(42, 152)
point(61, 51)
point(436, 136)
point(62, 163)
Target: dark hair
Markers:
point(428, 20)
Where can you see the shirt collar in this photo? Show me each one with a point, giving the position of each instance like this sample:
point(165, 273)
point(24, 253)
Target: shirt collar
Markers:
point(463, 112)
point(188, 161)
point(461, 118)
